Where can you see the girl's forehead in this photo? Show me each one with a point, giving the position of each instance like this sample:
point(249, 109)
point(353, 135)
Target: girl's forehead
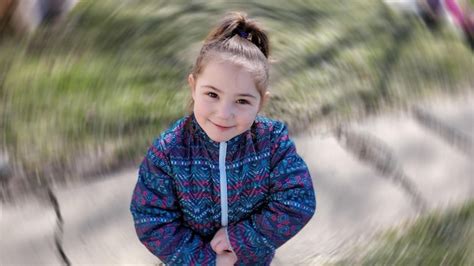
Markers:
point(227, 77)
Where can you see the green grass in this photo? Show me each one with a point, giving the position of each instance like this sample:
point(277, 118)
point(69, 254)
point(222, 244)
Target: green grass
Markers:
point(368, 57)
point(97, 89)
point(445, 238)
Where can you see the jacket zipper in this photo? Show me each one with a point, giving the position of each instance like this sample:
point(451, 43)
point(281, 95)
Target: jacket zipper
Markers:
point(223, 183)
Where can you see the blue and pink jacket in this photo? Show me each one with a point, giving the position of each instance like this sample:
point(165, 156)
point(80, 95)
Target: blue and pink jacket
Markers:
point(189, 186)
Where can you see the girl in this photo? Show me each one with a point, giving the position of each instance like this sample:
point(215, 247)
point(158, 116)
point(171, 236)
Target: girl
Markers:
point(223, 185)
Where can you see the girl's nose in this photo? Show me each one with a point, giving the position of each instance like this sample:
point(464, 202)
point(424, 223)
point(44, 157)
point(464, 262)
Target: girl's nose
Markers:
point(225, 111)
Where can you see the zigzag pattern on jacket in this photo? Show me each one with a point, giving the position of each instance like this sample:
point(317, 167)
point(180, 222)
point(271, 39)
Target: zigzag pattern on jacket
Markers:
point(176, 201)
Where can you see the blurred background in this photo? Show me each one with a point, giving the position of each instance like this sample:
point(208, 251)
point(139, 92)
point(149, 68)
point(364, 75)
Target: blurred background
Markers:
point(85, 87)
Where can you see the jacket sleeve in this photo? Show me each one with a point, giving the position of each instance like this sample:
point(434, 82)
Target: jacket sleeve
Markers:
point(290, 205)
point(158, 219)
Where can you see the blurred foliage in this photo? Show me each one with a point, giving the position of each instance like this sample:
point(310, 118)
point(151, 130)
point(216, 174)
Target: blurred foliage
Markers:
point(92, 93)
point(438, 239)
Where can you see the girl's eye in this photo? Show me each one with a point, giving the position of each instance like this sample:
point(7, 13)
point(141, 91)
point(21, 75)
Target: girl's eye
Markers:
point(242, 101)
point(212, 94)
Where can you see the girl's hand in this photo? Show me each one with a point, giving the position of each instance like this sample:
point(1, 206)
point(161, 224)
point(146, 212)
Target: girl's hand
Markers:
point(222, 247)
point(228, 258)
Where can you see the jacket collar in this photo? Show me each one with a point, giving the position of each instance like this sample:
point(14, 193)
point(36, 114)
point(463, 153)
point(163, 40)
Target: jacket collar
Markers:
point(208, 142)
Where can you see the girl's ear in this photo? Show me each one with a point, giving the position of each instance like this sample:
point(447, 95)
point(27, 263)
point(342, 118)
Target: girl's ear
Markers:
point(264, 100)
point(192, 84)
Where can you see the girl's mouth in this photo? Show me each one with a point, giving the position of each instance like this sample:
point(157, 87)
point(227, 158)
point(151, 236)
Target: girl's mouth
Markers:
point(221, 127)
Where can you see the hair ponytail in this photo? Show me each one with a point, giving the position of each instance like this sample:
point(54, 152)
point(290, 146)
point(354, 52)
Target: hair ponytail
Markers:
point(239, 24)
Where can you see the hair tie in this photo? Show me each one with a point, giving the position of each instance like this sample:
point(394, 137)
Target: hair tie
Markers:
point(244, 34)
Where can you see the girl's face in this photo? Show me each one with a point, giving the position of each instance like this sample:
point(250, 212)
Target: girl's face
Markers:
point(226, 100)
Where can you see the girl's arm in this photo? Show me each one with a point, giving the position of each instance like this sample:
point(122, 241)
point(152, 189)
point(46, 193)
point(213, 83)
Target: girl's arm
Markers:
point(290, 206)
point(157, 216)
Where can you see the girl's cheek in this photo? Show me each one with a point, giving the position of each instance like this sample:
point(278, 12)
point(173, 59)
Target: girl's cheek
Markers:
point(249, 114)
point(245, 108)
point(208, 99)
point(250, 110)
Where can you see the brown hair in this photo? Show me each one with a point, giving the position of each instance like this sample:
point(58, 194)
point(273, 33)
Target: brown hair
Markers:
point(239, 40)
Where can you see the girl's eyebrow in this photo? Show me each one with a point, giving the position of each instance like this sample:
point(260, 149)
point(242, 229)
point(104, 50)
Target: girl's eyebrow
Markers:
point(240, 95)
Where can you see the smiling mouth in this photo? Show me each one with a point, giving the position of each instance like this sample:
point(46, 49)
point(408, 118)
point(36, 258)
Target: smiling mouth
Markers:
point(221, 127)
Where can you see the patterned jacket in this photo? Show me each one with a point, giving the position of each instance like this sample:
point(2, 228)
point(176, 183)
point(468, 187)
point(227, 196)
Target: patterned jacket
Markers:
point(266, 191)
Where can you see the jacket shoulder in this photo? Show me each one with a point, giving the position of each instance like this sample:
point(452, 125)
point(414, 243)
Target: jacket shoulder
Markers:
point(269, 126)
point(172, 137)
